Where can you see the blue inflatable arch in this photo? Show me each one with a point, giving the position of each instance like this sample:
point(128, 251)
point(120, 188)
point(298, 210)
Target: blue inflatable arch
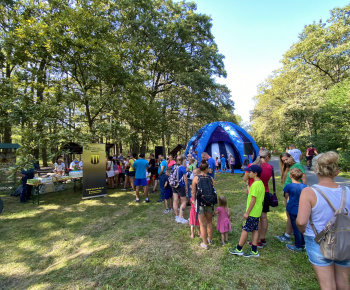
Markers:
point(222, 138)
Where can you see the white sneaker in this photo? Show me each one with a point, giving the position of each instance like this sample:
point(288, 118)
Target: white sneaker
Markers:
point(182, 221)
point(166, 211)
point(176, 218)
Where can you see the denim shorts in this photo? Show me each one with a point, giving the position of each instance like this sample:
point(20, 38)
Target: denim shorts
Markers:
point(206, 209)
point(315, 256)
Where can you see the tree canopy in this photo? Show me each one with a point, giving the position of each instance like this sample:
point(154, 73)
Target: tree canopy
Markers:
point(129, 72)
point(306, 100)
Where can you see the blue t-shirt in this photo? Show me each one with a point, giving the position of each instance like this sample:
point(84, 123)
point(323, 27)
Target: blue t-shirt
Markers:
point(211, 163)
point(294, 191)
point(167, 181)
point(223, 161)
point(163, 163)
point(182, 172)
point(140, 166)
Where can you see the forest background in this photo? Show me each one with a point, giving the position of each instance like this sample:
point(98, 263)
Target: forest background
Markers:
point(143, 73)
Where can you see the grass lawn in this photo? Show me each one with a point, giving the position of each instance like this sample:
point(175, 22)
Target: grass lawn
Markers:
point(113, 243)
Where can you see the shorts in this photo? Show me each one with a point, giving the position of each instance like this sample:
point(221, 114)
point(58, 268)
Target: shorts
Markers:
point(153, 171)
point(131, 173)
point(315, 256)
point(168, 193)
point(266, 204)
point(309, 158)
point(251, 224)
point(140, 181)
point(126, 172)
point(180, 190)
point(205, 209)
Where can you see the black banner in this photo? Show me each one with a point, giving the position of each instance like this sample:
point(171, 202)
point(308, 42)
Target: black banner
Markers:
point(94, 180)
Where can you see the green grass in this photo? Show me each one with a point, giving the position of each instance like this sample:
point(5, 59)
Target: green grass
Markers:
point(113, 243)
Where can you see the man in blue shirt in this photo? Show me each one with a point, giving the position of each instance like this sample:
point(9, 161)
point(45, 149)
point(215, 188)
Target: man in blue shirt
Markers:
point(211, 163)
point(141, 166)
point(161, 176)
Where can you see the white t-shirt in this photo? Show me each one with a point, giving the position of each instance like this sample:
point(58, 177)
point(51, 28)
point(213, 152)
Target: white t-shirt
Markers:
point(59, 167)
point(72, 165)
point(296, 153)
point(80, 164)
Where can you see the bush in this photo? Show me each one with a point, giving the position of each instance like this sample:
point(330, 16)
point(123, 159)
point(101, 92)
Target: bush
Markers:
point(344, 161)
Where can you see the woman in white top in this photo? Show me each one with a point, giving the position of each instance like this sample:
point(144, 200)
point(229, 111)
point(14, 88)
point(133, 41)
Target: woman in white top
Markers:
point(59, 167)
point(110, 172)
point(330, 274)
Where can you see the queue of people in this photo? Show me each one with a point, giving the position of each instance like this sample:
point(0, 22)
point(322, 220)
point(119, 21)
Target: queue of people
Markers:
point(196, 180)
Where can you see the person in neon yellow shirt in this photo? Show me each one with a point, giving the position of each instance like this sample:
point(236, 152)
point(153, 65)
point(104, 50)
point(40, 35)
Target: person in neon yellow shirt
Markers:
point(253, 212)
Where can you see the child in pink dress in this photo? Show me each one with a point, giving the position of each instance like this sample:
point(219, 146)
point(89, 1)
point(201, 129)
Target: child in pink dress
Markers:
point(193, 221)
point(223, 224)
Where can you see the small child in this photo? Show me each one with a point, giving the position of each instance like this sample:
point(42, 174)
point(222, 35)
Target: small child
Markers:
point(253, 212)
point(293, 191)
point(223, 163)
point(193, 214)
point(148, 177)
point(168, 192)
point(193, 221)
point(223, 224)
point(217, 164)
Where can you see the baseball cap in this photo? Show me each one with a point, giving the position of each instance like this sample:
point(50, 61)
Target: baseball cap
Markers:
point(254, 168)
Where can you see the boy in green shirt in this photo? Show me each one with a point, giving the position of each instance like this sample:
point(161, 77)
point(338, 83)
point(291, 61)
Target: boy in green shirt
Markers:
point(253, 212)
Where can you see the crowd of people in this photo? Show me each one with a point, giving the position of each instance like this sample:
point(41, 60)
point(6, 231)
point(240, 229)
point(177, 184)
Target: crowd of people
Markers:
point(300, 201)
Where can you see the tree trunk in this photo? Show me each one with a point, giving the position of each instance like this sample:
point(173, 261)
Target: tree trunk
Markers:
point(6, 125)
point(309, 127)
point(44, 155)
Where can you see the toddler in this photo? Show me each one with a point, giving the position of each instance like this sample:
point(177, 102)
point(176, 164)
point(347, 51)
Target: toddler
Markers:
point(193, 221)
point(148, 177)
point(223, 224)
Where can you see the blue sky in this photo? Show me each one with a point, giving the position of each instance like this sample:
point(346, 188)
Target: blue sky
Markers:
point(254, 35)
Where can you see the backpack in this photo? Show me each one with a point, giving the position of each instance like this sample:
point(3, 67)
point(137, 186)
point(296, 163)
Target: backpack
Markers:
point(174, 176)
point(334, 239)
point(206, 193)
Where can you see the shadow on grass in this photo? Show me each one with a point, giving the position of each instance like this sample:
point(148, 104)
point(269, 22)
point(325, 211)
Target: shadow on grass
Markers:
point(112, 242)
